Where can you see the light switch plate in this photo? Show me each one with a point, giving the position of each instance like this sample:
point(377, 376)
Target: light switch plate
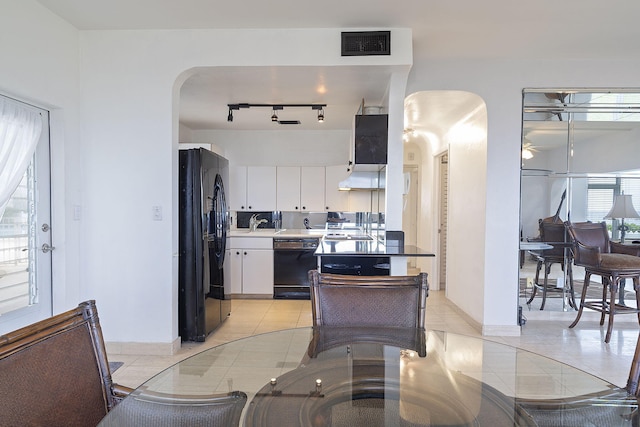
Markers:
point(157, 213)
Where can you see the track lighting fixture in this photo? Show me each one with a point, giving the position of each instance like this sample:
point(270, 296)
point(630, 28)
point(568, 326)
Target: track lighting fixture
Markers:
point(274, 107)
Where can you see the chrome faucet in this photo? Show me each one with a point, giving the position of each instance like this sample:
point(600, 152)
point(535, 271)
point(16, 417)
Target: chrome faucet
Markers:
point(254, 222)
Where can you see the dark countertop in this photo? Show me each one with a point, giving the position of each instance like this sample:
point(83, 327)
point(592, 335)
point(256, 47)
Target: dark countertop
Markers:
point(368, 248)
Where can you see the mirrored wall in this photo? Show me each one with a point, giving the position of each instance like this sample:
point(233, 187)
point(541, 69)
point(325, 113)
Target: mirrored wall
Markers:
point(584, 141)
point(580, 149)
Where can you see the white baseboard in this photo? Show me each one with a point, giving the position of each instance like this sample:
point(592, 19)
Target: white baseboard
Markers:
point(146, 348)
point(487, 330)
point(501, 330)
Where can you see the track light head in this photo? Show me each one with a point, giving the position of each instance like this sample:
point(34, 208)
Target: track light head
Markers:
point(274, 116)
point(230, 116)
point(320, 116)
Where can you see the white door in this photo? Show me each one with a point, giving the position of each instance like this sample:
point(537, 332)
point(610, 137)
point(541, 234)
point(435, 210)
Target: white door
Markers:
point(25, 243)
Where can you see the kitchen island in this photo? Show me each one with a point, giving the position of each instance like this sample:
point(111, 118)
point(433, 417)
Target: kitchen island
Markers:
point(364, 257)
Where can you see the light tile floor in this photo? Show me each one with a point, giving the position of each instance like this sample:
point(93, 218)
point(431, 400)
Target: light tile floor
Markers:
point(581, 347)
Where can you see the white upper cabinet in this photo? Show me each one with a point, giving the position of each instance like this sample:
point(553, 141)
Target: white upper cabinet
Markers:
point(336, 200)
point(237, 188)
point(261, 188)
point(300, 189)
point(288, 188)
point(312, 191)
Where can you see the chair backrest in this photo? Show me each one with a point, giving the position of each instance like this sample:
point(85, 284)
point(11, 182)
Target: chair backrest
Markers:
point(385, 301)
point(55, 372)
point(591, 234)
point(553, 232)
point(149, 409)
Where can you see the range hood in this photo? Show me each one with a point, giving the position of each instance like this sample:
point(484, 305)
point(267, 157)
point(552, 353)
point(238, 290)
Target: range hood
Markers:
point(369, 153)
point(363, 180)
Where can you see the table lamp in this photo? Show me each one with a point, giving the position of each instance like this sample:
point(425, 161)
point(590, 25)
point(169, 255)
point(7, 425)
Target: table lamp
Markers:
point(622, 208)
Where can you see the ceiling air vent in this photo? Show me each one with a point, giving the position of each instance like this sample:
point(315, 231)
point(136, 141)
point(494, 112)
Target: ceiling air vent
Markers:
point(363, 43)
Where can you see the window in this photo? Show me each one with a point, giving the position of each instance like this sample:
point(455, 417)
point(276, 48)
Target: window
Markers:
point(600, 195)
point(17, 288)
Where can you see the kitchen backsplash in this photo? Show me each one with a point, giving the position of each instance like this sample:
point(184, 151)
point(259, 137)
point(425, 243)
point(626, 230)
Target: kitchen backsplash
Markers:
point(296, 220)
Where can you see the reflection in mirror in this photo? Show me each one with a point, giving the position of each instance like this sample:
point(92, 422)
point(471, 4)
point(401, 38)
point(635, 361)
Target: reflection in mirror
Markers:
point(585, 142)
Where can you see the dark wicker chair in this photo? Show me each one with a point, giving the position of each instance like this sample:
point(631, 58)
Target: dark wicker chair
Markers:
point(589, 409)
point(553, 233)
point(55, 372)
point(147, 409)
point(368, 301)
point(613, 262)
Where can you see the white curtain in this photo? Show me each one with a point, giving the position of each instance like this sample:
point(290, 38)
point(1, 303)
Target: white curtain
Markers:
point(20, 129)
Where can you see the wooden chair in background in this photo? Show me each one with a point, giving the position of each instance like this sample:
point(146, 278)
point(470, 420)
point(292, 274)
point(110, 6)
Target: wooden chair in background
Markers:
point(593, 251)
point(551, 232)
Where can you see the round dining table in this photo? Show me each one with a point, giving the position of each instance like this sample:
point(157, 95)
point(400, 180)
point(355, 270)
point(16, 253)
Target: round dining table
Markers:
point(388, 377)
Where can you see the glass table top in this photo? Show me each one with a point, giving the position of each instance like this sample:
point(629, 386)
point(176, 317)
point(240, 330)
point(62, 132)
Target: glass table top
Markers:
point(391, 377)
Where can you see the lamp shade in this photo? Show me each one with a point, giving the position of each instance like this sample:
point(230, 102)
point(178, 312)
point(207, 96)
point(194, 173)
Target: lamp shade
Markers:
point(622, 208)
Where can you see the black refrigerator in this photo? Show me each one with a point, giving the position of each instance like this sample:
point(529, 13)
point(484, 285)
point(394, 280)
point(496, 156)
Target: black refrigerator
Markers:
point(203, 230)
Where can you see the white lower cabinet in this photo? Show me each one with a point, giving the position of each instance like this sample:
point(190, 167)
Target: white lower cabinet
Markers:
point(250, 266)
point(232, 273)
point(257, 271)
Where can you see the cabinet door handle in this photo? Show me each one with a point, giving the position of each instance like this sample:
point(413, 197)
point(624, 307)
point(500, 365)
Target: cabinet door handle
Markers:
point(245, 253)
point(237, 253)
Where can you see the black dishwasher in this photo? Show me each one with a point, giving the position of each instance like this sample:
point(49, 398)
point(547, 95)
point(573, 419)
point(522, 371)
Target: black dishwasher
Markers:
point(293, 257)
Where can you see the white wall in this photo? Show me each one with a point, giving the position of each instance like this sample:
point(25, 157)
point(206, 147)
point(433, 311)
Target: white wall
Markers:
point(280, 148)
point(500, 83)
point(115, 152)
point(467, 142)
point(130, 84)
point(40, 66)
